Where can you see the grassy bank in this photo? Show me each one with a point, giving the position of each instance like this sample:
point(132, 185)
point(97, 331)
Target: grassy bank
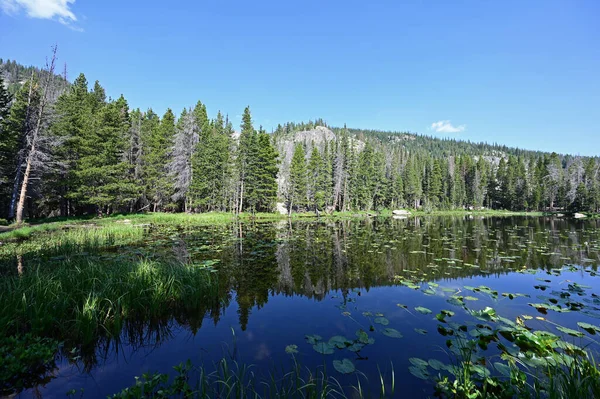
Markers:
point(53, 224)
point(83, 298)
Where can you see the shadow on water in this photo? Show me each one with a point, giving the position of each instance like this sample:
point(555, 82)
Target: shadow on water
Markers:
point(292, 277)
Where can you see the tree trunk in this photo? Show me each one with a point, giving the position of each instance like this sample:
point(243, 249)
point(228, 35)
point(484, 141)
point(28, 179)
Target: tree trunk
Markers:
point(241, 196)
point(34, 137)
point(23, 195)
point(13, 198)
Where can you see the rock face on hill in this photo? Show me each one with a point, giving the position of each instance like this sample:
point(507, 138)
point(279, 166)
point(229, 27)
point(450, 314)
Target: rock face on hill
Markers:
point(316, 137)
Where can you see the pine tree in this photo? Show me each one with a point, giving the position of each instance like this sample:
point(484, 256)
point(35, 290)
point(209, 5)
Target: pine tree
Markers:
point(158, 137)
point(412, 183)
point(246, 145)
point(298, 179)
point(261, 174)
point(103, 166)
point(317, 179)
point(210, 163)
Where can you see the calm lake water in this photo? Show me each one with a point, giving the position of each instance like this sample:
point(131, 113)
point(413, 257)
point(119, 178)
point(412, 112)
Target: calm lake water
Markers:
point(280, 282)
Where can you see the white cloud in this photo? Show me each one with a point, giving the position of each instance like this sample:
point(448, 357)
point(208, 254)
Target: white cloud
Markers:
point(43, 9)
point(447, 127)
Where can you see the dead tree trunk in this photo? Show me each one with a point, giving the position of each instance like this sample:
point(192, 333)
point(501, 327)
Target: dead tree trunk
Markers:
point(15, 191)
point(32, 142)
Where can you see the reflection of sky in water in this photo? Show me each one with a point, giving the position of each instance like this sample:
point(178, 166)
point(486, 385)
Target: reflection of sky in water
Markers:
point(288, 286)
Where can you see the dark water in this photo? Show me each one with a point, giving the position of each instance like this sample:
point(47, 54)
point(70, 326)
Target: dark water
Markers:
point(282, 281)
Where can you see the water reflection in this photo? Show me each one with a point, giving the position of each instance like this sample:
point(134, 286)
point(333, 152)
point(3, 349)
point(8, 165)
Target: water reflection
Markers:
point(257, 262)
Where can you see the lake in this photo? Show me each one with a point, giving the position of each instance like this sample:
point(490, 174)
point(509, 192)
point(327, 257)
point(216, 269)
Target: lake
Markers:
point(378, 286)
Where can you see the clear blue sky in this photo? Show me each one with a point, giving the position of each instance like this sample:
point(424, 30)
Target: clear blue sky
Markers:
point(521, 73)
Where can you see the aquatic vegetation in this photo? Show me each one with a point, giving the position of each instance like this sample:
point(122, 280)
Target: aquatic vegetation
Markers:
point(80, 299)
point(390, 283)
point(25, 361)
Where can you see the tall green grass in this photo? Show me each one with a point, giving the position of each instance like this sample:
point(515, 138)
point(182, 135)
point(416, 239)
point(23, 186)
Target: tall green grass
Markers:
point(228, 378)
point(81, 299)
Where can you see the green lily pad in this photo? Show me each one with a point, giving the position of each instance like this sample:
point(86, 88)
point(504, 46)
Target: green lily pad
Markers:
point(323, 348)
point(339, 342)
point(355, 347)
point(419, 372)
point(363, 337)
point(344, 366)
point(392, 333)
point(313, 339)
point(590, 328)
point(436, 364)
point(382, 320)
point(418, 362)
point(291, 349)
point(573, 333)
point(502, 369)
point(422, 310)
point(421, 331)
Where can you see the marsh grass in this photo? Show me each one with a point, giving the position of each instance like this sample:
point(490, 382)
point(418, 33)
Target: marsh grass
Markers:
point(81, 299)
point(228, 378)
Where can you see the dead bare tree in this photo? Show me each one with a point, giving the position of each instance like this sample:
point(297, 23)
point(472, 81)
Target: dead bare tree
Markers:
point(180, 168)
point(32, 136)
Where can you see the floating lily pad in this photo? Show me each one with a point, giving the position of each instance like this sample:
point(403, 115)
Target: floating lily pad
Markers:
point(569, 331)
point(382, 320)
point(339, 342)
point(421, 331)
point(418, 362)
point(592, 329)
point(313, 339)
point(323, 348)
point(436, 364)
point(419, 372)
point(291, 349)
point(392, 333)
point(422, 310)
point(502, 369)
point(355, 347)
point(344, 366)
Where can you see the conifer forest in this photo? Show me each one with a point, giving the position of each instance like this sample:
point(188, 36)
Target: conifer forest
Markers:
point(68, 149)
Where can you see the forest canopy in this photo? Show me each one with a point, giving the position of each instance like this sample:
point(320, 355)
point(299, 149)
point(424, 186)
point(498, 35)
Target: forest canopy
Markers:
point(67, 149)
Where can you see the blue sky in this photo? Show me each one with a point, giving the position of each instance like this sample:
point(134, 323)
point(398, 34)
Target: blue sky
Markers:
point(521, 73)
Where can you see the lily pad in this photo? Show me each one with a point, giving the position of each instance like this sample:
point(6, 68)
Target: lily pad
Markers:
point(418, 362)
point(291, 349)
point(392, 333)
point(502, 369)
point(339, 342)
point(323, 348)
point(313, 339)
point(419, 372)
point(421, 331)
point(382, 320)
point(592, 329)
point(436, 364)
point(573, 333)
point(355, 347)
point(422, 310)
point(344, 366)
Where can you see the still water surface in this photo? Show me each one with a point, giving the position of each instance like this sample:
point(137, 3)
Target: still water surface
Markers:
point(279, 282)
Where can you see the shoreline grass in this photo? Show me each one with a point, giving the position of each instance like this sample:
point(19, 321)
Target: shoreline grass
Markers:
point(39, 226)
point(82, 298)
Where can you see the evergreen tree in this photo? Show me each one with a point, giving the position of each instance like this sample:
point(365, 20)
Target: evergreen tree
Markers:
point(298, 179)
point(261, 174)
point(413, 188)
point(246, 145)
point(102, 167)
point(158, 136)
point(317, 179)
